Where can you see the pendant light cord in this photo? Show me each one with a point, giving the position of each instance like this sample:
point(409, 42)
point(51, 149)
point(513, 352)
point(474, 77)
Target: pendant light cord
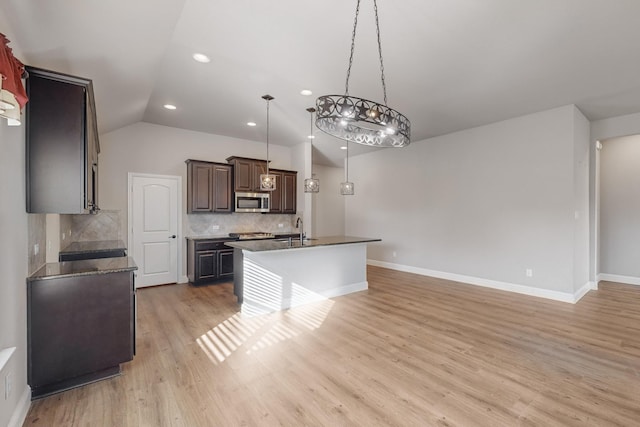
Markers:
point(347, 165)
point(353, 44)
point(311, 110)
point(384, 85)
point(268, 100)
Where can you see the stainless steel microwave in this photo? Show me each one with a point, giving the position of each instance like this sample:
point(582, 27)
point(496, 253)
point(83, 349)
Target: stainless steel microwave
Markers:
point(252, 202)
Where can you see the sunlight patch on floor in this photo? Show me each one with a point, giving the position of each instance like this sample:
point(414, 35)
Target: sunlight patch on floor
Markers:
point(261, 332)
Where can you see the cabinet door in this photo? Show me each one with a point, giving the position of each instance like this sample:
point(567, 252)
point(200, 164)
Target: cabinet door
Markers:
point(243, 175)
point(276, 195)
point(225, 263)
point(258, 168)
point(56, 145)
point(222, 185)
point(200, 187)
point(206, 265)
point(289, 181)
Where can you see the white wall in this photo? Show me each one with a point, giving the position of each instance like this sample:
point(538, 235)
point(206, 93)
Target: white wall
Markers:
point(14, 257)
point(620, 207)
point(154, 149)
point(149, 148)
point(581, 153)
point(301, 162)
point(13, 268)
point(328, 204)
point(488, 202)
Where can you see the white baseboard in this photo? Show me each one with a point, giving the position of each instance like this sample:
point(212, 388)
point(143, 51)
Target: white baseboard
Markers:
point(627, 280)
point(20, 413)
point(183, 279)
point(487, 283)
point(588, 286)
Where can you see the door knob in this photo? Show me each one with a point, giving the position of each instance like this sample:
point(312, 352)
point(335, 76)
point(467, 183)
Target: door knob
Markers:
point(173, 237)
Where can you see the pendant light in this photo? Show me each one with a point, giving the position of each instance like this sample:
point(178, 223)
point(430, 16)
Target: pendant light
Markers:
point(360, 120)
point(267, 181)
point(346, 187)
point(311, 185)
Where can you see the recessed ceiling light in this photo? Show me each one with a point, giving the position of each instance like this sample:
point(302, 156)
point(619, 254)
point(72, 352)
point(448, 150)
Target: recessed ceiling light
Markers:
point(201, 57)
point(251, 124)
point(306, 92)
point(311, 137)
point(344, 147)
point(170, 106)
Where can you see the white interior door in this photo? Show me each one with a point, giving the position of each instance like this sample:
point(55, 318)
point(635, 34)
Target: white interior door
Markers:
point(154, 228)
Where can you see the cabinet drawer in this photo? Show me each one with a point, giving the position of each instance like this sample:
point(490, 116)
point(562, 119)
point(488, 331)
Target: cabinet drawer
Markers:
point(209, 245)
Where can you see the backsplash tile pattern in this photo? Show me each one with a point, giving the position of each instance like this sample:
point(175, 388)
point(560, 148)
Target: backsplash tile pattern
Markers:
point(104, 225)
point(37, 225)
point(66, 228)
point(202, 224)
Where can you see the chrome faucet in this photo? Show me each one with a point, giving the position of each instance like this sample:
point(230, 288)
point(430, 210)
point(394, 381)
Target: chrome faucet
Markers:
point(300, 225)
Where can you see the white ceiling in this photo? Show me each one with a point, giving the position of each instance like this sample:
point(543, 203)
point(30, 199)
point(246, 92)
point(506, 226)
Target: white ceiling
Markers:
point(449, 65)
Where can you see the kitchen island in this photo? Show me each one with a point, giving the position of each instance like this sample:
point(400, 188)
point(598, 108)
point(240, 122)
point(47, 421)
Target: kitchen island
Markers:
point(272, 275)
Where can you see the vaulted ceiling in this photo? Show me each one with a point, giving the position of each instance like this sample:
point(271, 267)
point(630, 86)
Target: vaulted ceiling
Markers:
point(449, 65)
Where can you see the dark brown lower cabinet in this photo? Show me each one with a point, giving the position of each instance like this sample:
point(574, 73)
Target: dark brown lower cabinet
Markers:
point(206, 265)
point(225, 264)
point(80, 329)
point(209, 261)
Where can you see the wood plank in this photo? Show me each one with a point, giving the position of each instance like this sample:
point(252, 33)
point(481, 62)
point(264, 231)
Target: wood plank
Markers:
point(411, 350)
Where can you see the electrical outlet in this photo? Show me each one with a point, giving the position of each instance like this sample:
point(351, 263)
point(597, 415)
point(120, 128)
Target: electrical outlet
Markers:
point(280, 225)
point(394, 254)
point(8, 385)
point(215, 227)
point(529, 272)
point(64, 235)
point(36, 249)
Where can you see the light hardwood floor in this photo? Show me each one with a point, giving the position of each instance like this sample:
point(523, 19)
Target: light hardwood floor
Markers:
point(410, 351)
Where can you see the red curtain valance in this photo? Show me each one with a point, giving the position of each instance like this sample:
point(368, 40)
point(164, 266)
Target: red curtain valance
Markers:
point(11, 71)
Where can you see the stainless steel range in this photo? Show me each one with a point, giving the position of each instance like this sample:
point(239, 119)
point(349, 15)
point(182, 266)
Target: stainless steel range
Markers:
point(252, 235)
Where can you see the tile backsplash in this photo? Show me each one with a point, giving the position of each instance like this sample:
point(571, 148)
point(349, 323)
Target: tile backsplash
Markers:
point(203, 224)
point(104, 225)
point(37, 230)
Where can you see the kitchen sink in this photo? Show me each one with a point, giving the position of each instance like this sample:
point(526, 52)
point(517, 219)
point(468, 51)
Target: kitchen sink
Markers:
point(295, 241)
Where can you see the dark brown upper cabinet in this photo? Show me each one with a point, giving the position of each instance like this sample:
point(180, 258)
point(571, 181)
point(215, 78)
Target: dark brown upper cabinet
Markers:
point(283, 198)
point(247, 179)
point(209, 187)
point(247, 173)
point(62, 143)
point(289, 191)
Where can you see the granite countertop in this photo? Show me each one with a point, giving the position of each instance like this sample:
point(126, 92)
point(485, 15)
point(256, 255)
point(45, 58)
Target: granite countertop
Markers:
point(84, 268)
point(276, 245)
point(96, 246)
point(226, 236)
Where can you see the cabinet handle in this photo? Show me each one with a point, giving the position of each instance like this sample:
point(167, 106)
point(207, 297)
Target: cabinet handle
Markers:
point(173, 237)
